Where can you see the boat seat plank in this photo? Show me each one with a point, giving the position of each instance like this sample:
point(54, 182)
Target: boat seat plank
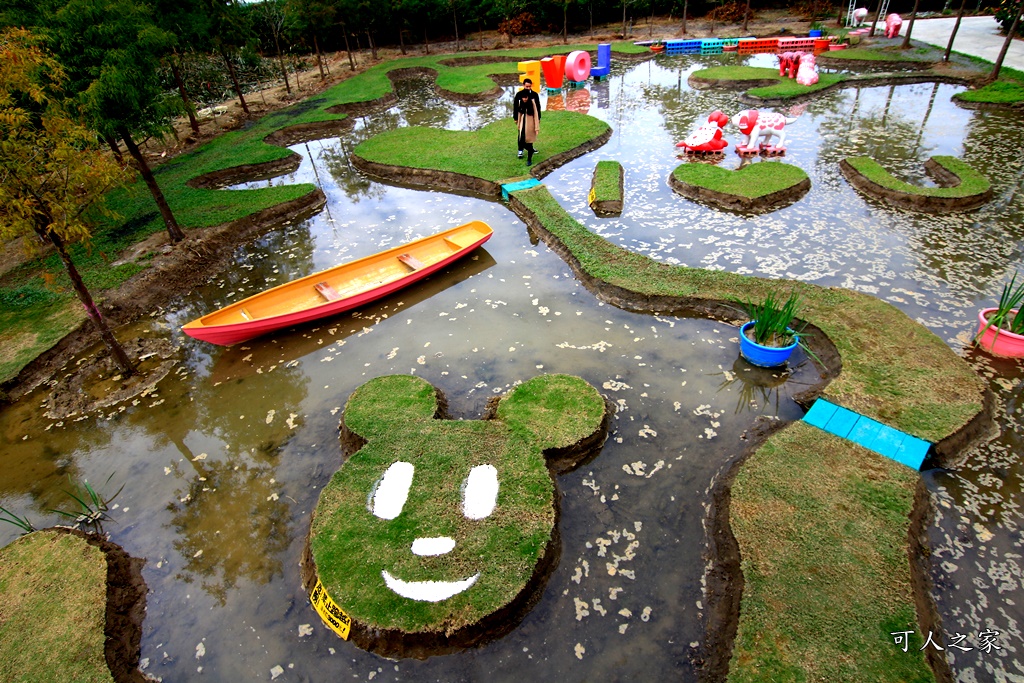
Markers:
point(411, 261)
point(326, 291)
point(245, 314)
point(453, 244)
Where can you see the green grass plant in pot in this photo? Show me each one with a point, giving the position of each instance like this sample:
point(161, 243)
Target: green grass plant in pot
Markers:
point(1001, 329)
point(768, 340)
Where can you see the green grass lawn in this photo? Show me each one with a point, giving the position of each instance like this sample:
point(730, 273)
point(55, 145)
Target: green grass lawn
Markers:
point(488, 153)
point(53, 604)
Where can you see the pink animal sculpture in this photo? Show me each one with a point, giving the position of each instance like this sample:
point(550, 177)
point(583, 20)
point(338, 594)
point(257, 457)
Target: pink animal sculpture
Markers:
point(859, 15)
point(892, 25)
point(788, 62)
point(708, 138)
point(755, 125)
point(807, 74)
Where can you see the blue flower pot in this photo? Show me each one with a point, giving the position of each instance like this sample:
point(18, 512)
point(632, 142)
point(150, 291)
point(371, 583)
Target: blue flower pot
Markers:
point(764, 356)
point(814, 34)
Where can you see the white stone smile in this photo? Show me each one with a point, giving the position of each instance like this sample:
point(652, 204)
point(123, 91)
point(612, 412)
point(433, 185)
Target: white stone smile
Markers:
point(427, 591)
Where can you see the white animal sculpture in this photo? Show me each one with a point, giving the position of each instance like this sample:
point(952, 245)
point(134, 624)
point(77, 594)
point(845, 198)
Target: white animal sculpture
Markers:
point(859, 15)
point(756, 125)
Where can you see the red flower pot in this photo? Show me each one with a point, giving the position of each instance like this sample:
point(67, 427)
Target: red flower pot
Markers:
point(996, 341)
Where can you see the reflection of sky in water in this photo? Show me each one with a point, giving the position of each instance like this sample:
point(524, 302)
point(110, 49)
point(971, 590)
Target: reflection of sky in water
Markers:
point(224, 462)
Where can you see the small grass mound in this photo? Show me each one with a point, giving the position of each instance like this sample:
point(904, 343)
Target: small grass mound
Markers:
point(971, 181)
point(488, 153)
point(752, 181)
point(366, 557)
point(608, 181)
point(53, 603)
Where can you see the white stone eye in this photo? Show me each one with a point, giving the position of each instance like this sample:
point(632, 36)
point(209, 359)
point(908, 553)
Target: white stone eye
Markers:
point(480, 492)
point(389, 493)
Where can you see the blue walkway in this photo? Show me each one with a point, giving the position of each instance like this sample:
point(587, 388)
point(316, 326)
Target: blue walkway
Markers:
point(870, 434)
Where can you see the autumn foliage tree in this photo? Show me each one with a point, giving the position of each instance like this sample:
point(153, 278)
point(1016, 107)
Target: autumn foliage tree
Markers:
point(53, 176)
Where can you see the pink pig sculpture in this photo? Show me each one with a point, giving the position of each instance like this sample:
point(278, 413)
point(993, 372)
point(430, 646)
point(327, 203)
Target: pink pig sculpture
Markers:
point(807, 74)
point(892, 25)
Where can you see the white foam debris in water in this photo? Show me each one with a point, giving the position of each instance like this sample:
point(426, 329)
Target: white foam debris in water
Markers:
point(393, 353)
point(276, 671)
point(270, 416)
point(201, 456)
point(580, 651)
point(291, 420)
point(582, 609)
point(596, 603)
point(305, 630)
point(613, 593)
point(422, 360)
point(200, 650)
point(167, 470)
point(623, 627)
point(647, 432)
point(646, 614)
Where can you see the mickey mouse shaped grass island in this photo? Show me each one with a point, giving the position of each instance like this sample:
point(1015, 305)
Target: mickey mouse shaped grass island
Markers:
point(439, 534)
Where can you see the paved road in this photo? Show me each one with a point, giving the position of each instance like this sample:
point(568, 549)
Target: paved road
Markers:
point(977, 36)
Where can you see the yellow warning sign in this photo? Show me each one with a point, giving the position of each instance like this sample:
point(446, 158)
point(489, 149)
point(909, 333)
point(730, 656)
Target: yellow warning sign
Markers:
point(335, 617)
point(591, 196)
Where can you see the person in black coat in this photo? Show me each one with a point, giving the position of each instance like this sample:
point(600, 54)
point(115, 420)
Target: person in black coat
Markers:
point(526, 112)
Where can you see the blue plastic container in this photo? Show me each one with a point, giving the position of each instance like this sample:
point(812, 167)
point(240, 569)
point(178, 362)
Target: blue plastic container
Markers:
point(814, 34)
point(764, 356)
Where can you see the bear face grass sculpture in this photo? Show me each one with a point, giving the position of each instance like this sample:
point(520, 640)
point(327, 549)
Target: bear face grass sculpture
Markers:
point(435, 531)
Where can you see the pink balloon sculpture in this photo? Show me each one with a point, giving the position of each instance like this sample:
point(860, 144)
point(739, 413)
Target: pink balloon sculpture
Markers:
point(707, 138)
point(807, 74)
point(892, 25)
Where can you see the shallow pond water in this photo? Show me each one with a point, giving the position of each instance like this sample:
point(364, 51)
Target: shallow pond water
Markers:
point(225, 460)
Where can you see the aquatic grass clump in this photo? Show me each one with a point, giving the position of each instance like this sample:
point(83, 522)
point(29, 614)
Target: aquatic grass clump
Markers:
point(772, 319)
point(1010, 300)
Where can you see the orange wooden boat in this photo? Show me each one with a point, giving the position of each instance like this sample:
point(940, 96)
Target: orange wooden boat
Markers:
point(337, 289)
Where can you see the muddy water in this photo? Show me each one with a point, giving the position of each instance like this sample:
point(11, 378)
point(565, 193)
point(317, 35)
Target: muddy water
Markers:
point(224, 461)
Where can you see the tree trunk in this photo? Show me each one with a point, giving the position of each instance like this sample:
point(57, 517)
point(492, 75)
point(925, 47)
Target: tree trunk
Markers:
point(112, 143)
point(280, 60)
point(319, 59)
point(116, 350)
point(480, 29)
point(295, 68)
point(401, 41)
point(565, 22)
point(746, 13)
point(686, 4)
point(874, 22)
point(351, 61)
point(956, 27)
point(234, 81)
point(455, 21)
point(147, 175)
point(373, 45)
point(910, 27)
point(189, 109)
point(1006, 43)
point(623, 19)
point(426, 43)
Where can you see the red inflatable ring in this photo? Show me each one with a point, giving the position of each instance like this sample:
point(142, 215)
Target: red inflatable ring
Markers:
point(577, 66)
